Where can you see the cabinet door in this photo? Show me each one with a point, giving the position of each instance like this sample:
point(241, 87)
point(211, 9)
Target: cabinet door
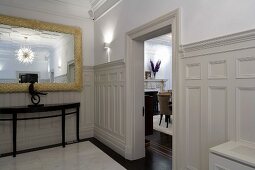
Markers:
point(219, 163)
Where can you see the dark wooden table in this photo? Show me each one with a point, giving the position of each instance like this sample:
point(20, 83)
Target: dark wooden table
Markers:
point(154, 100)
point(148, 115)
point(16, 110)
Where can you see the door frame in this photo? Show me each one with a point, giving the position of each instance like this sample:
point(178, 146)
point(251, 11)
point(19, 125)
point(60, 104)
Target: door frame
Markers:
point(162, 25)
point(69, 63)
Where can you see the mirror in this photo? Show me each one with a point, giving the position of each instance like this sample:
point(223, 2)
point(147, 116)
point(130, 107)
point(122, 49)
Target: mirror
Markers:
point(47, 53)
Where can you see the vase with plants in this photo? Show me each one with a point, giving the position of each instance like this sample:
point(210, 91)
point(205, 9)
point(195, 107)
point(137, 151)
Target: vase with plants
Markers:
point(155, 67)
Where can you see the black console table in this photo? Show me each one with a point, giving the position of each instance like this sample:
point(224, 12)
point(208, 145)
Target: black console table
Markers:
point(14, 111)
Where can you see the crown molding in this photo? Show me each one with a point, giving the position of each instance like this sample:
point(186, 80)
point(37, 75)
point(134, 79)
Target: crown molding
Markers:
point(227, 43)
point(101, 7)
point(95, 4)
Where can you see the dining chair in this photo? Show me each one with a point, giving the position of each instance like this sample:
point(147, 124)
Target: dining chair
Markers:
point(165, 106)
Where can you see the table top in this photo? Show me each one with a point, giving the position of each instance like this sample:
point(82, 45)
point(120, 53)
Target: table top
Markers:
point(29, 109)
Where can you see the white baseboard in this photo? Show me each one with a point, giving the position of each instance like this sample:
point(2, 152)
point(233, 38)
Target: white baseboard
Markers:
point(111, 140)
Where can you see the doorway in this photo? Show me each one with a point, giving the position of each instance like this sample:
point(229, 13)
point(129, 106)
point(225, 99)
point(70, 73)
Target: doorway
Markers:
point(70, 72)
point(158, 100)
point(135, 124)
point(158, 84)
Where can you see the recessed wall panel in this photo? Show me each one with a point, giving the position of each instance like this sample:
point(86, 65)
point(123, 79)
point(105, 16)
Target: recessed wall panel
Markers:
point(245, 67)
point(193, 71)
point(245, 114)
point(193, 114)
point(217, 69)
point(217, 115)
point(111, 127)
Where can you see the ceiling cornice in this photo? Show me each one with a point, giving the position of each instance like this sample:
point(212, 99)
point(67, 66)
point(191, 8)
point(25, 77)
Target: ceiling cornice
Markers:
point(101, 7)
point(75, 9)
point(96, 4)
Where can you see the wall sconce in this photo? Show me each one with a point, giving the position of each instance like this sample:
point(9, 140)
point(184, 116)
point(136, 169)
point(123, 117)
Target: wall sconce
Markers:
point(59, 64)
point(107, 45)
point(108, 49)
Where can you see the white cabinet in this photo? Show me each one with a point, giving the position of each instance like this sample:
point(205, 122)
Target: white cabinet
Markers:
point(220, 163)
point(232, 156)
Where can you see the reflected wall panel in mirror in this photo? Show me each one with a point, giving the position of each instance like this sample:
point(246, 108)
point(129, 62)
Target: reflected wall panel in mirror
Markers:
point(47, 53)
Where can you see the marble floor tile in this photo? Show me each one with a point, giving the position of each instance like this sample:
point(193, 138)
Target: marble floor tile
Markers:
point(80, 156)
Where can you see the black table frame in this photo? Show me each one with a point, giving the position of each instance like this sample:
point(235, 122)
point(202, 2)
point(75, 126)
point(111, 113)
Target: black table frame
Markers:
point(14, 111)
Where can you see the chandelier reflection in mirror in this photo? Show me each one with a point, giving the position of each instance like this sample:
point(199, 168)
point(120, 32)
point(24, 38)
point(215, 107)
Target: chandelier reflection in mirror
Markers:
point(25, 54)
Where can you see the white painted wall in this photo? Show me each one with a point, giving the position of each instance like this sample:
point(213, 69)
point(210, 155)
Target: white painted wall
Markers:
point(155, 52)
point(201, 19)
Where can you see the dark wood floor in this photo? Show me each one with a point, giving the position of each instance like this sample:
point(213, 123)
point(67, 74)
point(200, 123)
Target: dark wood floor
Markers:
point(160, 143)
point(158, 153)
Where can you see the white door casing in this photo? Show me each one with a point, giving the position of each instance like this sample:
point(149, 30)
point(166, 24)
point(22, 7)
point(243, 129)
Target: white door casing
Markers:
point(135, 148)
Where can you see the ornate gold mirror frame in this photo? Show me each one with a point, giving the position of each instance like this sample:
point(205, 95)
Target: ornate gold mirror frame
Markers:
point(40, 25)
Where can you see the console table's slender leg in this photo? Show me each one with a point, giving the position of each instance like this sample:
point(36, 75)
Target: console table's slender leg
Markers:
point(14, 129)
point(77, 124)
point(63, 128)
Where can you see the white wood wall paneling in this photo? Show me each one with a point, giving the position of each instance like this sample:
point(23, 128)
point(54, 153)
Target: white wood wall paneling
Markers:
point(109, 105)
point(36, 133)
point(218, 95)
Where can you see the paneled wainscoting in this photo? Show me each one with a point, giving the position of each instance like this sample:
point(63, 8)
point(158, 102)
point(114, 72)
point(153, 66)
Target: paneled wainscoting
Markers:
point(218, 94)
point(110, 118)
point(37, 133)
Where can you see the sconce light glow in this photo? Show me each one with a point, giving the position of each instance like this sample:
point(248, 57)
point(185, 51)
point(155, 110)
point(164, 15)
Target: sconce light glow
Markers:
point(48, 67)
point(108, 37)
point(59, 64)
point(108, 49)
point(1, 67)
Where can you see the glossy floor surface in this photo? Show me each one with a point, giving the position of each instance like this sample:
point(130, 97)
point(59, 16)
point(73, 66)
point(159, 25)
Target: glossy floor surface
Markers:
point(91, 154)
point(79, 156)
point(159, 150)
point(158, 153)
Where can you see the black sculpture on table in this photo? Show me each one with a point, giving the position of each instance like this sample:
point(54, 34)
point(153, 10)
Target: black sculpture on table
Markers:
point(35, 95)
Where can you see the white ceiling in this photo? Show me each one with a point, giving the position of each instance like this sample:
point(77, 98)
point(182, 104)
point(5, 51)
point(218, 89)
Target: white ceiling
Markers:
point(20, 35)
point(67, 8)
point(164, 39)
point(81, 3)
